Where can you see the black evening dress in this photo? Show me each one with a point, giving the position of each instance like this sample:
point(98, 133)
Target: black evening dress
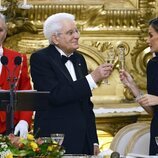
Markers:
point(152, 88)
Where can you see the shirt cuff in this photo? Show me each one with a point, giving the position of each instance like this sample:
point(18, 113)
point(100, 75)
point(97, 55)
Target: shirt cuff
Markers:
point(96, 144)
point(91, 82)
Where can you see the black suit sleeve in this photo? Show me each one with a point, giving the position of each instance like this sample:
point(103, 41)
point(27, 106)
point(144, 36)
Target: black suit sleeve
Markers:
point(48, 78)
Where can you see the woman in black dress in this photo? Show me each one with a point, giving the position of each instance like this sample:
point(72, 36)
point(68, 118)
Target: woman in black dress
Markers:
point(148, 101)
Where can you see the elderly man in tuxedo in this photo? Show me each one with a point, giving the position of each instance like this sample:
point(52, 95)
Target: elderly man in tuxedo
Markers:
point(22, 119)
point(60, 69)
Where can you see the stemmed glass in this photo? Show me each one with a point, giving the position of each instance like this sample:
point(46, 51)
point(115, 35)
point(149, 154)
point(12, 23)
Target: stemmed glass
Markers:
point(121, 56)
point(109, 58)
point(57, 138)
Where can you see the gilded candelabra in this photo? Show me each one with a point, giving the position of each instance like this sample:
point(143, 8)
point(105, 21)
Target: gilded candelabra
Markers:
point(16, 16)
point(10, 7)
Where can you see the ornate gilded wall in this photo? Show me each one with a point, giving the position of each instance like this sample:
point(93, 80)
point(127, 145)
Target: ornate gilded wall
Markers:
point(103, 24)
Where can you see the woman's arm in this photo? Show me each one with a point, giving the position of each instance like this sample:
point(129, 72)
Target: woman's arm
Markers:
point(146, 101)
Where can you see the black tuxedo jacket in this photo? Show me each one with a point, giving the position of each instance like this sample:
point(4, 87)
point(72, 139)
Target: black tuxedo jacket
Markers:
point(70, 109)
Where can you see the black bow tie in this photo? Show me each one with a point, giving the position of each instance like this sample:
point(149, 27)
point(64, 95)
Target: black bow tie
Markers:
point(65, 58)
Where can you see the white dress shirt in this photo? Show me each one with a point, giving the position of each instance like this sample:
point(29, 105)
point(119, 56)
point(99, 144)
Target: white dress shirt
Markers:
point(69, 65)
point(71, 70)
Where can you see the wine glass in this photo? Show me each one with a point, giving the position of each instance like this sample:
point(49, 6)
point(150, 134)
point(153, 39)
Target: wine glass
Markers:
point(109, 58)
point(57, 138)
point(111, 55)
point(121, 56)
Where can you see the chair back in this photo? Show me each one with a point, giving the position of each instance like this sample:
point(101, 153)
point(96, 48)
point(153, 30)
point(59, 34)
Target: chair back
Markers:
point(139, 142)
point(123, 137)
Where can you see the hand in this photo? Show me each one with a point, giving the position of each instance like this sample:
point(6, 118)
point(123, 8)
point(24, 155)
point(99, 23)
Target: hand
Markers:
point(126, 78)
point(96, 149)
point(21, 127)
point(101, 72)
point(148, 100)
point(128, 81)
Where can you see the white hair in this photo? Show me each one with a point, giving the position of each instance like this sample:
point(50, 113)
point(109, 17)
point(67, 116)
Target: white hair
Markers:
point(54, 23)
point(3, 20)
point(2, 17)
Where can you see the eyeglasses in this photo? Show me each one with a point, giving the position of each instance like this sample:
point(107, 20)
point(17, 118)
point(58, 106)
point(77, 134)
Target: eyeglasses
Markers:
point(70, 32)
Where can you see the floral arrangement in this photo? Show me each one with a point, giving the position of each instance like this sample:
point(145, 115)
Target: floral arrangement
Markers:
point(14, 146)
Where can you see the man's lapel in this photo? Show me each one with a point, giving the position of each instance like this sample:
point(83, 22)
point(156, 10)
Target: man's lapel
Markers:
point(77, 67)
point(56, 60)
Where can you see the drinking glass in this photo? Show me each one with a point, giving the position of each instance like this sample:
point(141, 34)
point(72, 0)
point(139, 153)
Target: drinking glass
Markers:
point(58, 138)
point(121, 56)
point(109, 58)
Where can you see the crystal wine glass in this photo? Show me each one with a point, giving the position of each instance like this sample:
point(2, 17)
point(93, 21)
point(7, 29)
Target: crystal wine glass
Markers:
point(109, 58)
point(58, 138)
point(121, 56)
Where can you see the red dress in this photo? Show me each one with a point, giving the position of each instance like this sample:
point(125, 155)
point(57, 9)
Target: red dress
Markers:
point(23, 83)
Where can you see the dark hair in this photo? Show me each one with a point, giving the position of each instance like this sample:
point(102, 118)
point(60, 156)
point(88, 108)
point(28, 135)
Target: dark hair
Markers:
point(154, 24)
